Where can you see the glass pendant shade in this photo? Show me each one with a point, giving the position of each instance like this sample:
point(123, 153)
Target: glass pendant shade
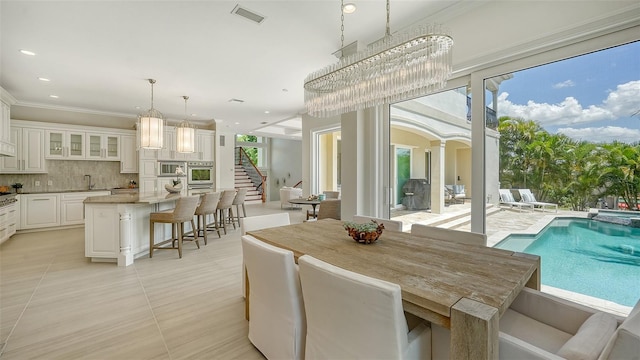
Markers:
point(151, 130)
point(185, 138)
point(410, 64)
point(185, 133)
point(151, 126)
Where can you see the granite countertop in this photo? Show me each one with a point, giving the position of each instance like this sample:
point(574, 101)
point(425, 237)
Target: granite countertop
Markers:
point(144, 198)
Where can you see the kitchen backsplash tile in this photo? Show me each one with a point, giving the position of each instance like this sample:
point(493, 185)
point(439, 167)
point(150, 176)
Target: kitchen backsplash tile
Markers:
point(69, 175)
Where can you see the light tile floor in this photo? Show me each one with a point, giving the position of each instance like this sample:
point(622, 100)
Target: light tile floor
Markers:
point(55, 304)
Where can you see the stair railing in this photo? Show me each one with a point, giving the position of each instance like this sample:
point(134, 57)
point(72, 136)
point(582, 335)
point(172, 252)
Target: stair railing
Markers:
point(257, 178)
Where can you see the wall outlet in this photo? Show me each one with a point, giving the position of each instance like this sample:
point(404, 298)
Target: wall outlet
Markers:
point(37, 183)
point(50, 182)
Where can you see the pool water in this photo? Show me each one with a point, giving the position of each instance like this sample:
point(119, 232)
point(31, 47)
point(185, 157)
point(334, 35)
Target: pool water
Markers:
point(588, 257)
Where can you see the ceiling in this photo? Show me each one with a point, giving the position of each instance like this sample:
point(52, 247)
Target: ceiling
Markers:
point(98, 56)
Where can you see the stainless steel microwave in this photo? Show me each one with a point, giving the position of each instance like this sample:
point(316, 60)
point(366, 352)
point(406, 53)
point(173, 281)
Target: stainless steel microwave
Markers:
point(168, 168)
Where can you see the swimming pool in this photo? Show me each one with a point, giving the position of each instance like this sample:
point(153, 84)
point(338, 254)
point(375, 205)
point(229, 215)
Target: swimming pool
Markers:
point(588, 257)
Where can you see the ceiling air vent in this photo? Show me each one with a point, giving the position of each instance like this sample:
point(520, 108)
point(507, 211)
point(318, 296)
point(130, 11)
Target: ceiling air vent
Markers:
point(247, 14)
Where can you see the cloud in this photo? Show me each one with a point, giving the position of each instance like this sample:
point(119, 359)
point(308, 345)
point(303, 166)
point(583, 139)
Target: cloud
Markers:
point(564, 84)
point(622, 102)
point(602, 134)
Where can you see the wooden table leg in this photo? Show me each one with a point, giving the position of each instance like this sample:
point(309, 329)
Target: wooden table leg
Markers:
point(534, 280)
point(474, 331)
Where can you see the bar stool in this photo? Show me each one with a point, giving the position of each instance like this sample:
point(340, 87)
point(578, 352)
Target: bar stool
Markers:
point(208, 206)
point(239, 200)
point(184, 211)
point(225, 206)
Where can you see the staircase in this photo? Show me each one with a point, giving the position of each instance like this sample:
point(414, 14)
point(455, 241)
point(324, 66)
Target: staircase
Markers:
point(242, 180)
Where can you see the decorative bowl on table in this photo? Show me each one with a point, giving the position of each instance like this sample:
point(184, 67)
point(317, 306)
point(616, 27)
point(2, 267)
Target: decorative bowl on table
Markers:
point(173, 189)
point(364, 233)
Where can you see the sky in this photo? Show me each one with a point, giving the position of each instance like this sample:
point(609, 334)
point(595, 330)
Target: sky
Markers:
point(594, 97)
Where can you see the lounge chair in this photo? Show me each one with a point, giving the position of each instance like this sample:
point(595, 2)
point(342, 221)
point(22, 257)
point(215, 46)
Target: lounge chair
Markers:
point(455, 193)
point(506, 198)
point(527, 197)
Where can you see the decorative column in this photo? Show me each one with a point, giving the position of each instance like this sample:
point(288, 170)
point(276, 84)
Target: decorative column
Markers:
point(437, 176)
point(125, 257)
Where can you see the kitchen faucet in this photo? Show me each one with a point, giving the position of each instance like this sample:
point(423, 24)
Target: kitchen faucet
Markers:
point(90, 185)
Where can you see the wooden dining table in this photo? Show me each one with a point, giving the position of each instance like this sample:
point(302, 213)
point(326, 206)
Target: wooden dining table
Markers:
point(465, 288)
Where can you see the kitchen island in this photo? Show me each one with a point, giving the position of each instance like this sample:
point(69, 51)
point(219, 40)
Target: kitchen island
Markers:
point(117, 226)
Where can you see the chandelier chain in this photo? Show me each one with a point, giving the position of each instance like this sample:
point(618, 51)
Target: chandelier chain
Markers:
point(341, 24)
point(185, 106)
point(151, 81)
point(388, 30)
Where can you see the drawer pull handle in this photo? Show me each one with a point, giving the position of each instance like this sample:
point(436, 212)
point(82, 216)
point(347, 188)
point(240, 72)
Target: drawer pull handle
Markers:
point(41, 199)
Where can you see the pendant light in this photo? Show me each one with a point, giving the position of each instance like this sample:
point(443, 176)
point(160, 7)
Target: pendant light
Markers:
point(151, 126)
point(185, 133)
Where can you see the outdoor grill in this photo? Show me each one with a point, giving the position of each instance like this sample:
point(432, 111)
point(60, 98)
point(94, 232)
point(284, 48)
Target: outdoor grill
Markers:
point(417, 194)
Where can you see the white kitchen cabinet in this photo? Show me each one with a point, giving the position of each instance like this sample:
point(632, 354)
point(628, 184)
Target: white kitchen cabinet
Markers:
point(102, 146)
point(148, 168)
point(7, 146)
point(147, 185)
point(17, 205)
point(204, 145)
point(72, 206)
point(29, 152)
point(63, 144)
point(128, 154)
point(39, 210)
point(8, 221)
point(102, 231)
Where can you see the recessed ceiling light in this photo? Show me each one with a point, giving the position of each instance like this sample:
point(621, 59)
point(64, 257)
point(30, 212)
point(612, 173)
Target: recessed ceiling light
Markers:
point(237, 123)
point(194, 114)
point(285, 90)
point(54, 96)
point(349, 8)
point(43, 79)
point(27, 52)
point(137, 107)
point(266, 111)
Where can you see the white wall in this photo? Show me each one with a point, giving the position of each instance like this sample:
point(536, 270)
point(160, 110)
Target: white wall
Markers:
point(224, 155)
point(286, 165)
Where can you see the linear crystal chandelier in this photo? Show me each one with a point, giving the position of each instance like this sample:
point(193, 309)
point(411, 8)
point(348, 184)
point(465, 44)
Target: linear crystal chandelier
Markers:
point(398, 67)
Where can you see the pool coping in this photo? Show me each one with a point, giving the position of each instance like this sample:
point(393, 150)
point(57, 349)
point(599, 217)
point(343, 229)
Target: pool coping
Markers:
point(533, 229)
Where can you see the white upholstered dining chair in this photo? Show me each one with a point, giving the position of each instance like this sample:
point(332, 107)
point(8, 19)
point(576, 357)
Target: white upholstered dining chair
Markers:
point(353, 316)
point(464, 237)
point(260, 222)
point(391, 225)
point(277, 325)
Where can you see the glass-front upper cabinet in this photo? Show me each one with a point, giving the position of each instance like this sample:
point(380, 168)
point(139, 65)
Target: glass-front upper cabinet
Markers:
point(64, 144)
point(103, 146)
